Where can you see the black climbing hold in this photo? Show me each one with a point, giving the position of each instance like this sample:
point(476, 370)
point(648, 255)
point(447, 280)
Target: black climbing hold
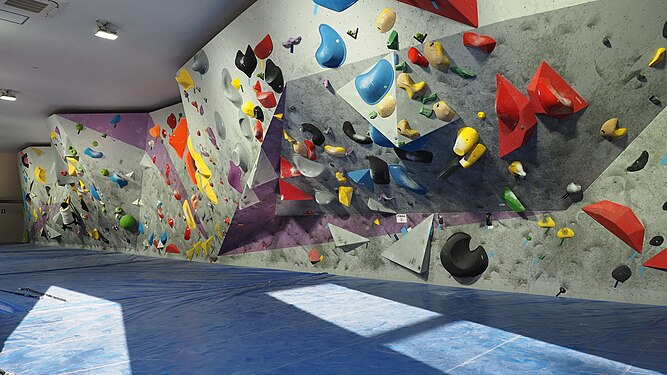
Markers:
point(246, 62)
point(655, 100)
point(657, 241)
point(561, 290)
point(458, 260)
point(664, 206)
point(621, 274)
point(664, 30)
point(640, 163)
point(420, 156)
point(317, 136)
point(258, 113)
point(379, 170)
point(606, 42)
point(489, 223)
point(451, 168)
point(641, 77)
point(273, 76)
point(348, 129)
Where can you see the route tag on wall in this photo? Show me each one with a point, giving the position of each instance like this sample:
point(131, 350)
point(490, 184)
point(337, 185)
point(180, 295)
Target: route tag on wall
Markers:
point(401, 218)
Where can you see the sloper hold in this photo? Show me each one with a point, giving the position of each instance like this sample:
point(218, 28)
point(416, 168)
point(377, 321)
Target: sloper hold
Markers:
point(234, 177)
point(464, 11)
point(200, 62)
point(619, 220)
point(377, 206)
point(412, 251)
point(332, 50)
point(349, 131)
point(658, 262)
point(230, 92)
point(335, 5)
point(379, 170)
point(324, 197)
point(308, 167)
point(290, 192)
point(459, 261)
point(246, 62)
point(551, 95)
point(403, 179)
point(421, 156)
point(374, 84)
point(264, 48)
point(273, 76)
point(362, 177)
point(345, 239)
point(516, 117)
point(185, 80)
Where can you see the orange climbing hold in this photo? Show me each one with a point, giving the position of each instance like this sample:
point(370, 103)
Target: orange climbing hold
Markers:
point(154, 131)
point(179, 138)
point(619, 220)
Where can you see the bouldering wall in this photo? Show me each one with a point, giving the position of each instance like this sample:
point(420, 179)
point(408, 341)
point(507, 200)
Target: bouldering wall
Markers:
point(384, 140)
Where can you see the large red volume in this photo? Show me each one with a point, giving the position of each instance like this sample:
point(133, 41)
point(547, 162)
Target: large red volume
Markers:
point(464, 11)
point(516, 117)
point(292, 193)
point(287, 170)
point(619, 220)
point(659, 261)
point(551, 95)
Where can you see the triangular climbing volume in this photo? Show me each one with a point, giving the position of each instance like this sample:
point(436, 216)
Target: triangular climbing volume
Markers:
point(464, 11)
point(287, 170)
point(516, 116)
point(659, 261)
point(292, 193)
point(412, 251)
point(345, 239)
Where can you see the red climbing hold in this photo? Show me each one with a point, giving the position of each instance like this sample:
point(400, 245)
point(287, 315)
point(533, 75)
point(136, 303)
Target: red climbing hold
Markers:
point(292, 193)
point(171, 248)
point(179, 138)
point(417, 58)
point(171, 121)
point(551, 95)
point(310, 146)
point(483, 42)
point(287, 169)
point(619, 220)
point(257, 87)
point(313, 256)
point(464, 11)
point(267, 99)
point(177, 195)
point(264, 48)
point(259, 132)
point(186, 234)
point(170, 221)
point(659, 261)
point(516, 116)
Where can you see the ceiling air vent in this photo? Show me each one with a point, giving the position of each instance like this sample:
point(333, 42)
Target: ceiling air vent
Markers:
point(30, 8)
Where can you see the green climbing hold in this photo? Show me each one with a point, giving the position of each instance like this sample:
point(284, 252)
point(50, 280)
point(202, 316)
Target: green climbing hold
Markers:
point(429, 98)
point(72, 151)
point(105, 172)
point(260, 75)
point(129, 222)
point(79, 128)
point(95, 143)
point(392, 41)
point(420, 37)
point(118, 210)
point(462, 72)
point(512, 201)
point(402, 67)
point(426, 111)
point(373, 115)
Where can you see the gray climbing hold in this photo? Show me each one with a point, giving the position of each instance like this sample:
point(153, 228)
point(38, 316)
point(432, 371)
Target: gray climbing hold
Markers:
point(230, 92)
point(219, 126)
point(200, 63)
point(246, 127)
point(346, 240)
point(308, 167)
point(376, 206)
point(325, 197)
point(412, 250)
point(240, 157)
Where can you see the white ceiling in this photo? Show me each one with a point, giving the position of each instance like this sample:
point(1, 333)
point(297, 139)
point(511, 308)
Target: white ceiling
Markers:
point(57, 65)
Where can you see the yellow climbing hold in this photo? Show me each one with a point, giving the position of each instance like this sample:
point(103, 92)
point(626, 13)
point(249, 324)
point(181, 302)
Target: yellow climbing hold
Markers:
point(414, 90)
point(37, 151)
point(206, 245)
point(278, 116)
point(218, 230)
point(658, 57)
point(248, 108)
point(236, 82)
point(95, 234)
point(546, 222)
point(385, 20)
point(435, 54)
point(190, 253)
point(404, 129)
point(565, 232)
point(386, 106)
point(203, 174)
point(466, 139)
point(481, 115)
point(187, 212)
point(54, 135)
point(336, 151)
point(40, 174)
point(376, 221)
point(610, 129)
point(473, 156)
point(516, 169)
point(345, 195)
point(341, 177)
point(71, 166)
point(185, 80)
point(34, 214)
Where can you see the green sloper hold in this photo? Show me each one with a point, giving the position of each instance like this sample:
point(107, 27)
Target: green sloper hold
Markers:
point(429, 98)
point(392, 41)
point(512, 201)
point(402, 67)
point(426, 111)
point(462, 72)
point(129, 222)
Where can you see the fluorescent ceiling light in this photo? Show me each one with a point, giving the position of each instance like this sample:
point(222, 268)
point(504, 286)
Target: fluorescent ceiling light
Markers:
point(7, 95)
point(105, 31)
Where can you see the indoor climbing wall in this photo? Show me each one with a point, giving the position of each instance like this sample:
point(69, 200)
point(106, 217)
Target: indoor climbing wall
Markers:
point(494, 145)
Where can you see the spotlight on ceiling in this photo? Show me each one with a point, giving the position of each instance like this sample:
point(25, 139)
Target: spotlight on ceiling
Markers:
point(105, 30)
point(7, 95)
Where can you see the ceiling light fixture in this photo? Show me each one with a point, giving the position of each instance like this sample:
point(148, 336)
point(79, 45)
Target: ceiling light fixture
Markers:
point(105, 30)
point(7, 95)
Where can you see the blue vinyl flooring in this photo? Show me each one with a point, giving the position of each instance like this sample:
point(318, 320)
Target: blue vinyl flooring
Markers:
point(127, 314)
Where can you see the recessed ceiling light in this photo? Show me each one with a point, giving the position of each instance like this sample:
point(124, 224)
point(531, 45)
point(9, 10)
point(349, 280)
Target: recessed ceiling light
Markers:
point(7, 95)
point(105, 30)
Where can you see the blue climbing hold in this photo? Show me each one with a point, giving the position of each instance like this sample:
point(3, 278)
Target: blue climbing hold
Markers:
point(151, 239)
point(335, 5)
point(141, 227)
point(379, 138)
point(362, 177)
point(373, 85)
point(163, 237)
point(118, 179)
point(403, 179)
point(94, 193)
point(332, 51)
point(92, 153)
point(114, 120)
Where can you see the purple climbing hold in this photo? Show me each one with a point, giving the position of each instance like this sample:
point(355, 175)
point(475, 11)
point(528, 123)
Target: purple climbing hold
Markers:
point(234, 177)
